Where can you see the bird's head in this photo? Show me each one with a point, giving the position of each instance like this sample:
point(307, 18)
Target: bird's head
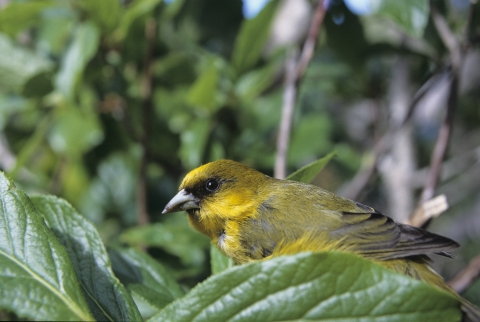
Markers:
point(218, 191)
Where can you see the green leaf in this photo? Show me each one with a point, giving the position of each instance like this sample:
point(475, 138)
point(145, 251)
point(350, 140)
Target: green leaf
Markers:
point(114, 188)
point(203, 92)
point(219, 261)
point(105, 13)
point(194, 139)
point(252, 37)
point(250, 85)
point(136, 10)
point(74, 131)
point(145, 277)
point(302, 147)
point(410, 15)
point(329, 286)
point(106, 296)
point(83, 48)
point(17, 16)
point(18, 66)
point(37, 279)
point(310, 171)
point(174, 235)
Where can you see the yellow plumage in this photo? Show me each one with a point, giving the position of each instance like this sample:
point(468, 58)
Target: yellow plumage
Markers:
point(250, 216)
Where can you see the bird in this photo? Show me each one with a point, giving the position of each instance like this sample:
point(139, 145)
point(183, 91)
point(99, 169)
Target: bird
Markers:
point(251, 216)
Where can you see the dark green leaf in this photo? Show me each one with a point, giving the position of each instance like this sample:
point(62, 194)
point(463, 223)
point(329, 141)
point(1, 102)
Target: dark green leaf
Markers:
point(105, 13)
point(252, 37)
point(136, 10)
point(174, 235)
point(106, 296)
point(219, 261)
point(330, 286)
point(37, 279)
point(310, 171)
point(145, 277)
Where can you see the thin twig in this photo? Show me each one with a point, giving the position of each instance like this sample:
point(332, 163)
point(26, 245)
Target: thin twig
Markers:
point(446, 34)
point(469, 25)
point(294, 72)
point(364, 175)
point(466, 276)
point(444, 134)
point(142, 211)
point(289, 96)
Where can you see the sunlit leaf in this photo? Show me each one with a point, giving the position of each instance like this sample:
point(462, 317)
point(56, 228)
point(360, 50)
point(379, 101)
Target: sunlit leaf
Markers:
point(37, 278)
point(17, 16)
point(310, 171)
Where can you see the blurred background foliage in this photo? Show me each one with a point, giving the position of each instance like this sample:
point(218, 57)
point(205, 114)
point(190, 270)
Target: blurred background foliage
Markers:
point(109, 103)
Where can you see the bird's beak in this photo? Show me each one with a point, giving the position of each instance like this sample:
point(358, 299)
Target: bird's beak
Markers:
point(181, 201)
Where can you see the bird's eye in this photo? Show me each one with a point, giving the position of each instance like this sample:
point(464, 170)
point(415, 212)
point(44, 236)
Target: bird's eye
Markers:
point(212, 185)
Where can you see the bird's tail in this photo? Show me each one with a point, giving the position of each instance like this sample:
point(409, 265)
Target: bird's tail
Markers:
point(471, 313)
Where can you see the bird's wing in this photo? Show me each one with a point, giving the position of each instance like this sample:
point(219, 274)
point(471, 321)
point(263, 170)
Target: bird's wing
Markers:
point(377, 236)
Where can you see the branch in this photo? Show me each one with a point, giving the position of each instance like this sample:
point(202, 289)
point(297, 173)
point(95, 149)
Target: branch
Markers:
point(142, 211)
point(440, 150)
point(294, 72)
point(466, 276)
point(364, 175)
point(447, 35)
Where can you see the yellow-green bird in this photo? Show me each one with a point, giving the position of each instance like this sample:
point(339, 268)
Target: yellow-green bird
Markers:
point(250, 216)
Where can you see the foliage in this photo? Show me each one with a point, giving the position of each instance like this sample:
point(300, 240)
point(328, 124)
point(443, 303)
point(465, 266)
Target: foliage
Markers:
point(107, 104)
point(76, 282)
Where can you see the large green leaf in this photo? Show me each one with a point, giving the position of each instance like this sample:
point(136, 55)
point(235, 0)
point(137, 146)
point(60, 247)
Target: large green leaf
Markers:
point(106, 296)
point(145, 277)
point(310, 171)
point(37, 279)
point(330, 286)
point(252, 37)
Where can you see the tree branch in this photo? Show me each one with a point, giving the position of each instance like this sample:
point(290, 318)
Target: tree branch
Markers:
point(142, 211)
point(294, 72)
point(466, 276)
point(456, 56)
